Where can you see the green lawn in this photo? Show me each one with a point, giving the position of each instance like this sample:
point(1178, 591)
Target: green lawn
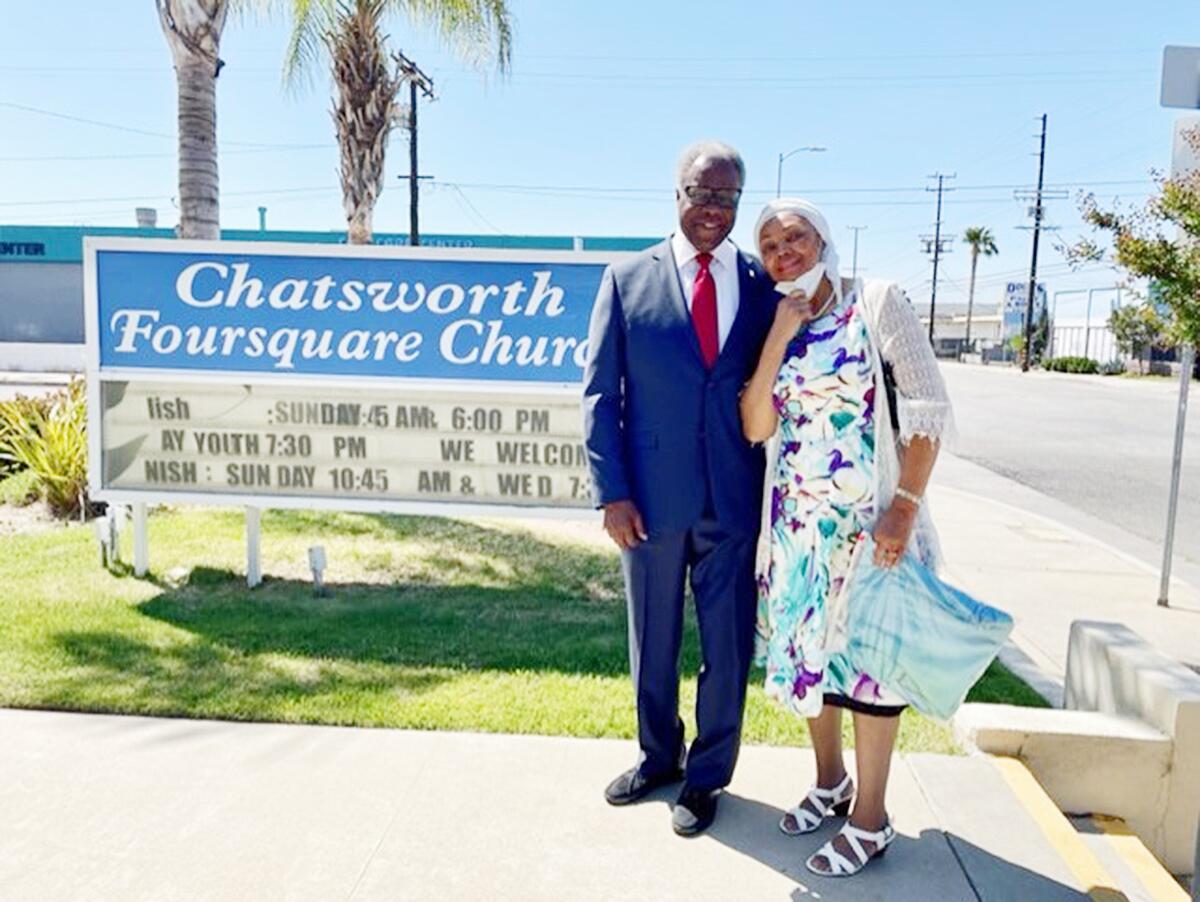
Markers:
point(429, 623)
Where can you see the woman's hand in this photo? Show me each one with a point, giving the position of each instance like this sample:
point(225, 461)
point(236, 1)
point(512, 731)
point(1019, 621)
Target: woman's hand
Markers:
point(892, 532)
point(792, 312)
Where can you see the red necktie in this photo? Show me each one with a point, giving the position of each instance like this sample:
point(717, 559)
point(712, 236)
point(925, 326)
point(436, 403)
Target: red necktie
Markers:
point(704, 310)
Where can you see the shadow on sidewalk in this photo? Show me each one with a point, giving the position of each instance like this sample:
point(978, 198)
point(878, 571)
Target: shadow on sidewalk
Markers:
point(909, 872)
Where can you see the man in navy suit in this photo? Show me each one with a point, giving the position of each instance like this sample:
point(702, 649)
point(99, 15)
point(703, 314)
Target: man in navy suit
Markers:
point(675, 333)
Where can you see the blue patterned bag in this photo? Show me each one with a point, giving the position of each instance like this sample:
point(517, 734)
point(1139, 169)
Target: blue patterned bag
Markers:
point(924, 640)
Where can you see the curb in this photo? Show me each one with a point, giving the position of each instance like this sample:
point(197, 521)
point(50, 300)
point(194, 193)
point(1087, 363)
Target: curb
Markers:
point(1093, 877)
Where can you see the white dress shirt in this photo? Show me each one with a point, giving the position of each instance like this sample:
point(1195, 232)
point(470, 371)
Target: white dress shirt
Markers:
point(723, 267)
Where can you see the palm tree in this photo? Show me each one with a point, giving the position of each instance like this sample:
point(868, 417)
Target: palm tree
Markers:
point(193, 29)
point(350, 33)
point(982, 242)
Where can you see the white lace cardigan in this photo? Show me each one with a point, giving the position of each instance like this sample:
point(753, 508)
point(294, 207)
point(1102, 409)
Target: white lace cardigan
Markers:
point(895, 335)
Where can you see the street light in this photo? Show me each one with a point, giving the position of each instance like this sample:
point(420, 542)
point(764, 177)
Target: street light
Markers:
point(784, 156)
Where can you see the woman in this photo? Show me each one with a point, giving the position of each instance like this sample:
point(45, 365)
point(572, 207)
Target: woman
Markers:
point(836, 467)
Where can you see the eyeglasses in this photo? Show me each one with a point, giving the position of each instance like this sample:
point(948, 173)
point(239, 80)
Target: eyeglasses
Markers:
point(713, 197)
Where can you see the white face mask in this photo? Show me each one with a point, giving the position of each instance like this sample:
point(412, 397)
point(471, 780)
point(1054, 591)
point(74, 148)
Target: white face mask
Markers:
point(809, 282)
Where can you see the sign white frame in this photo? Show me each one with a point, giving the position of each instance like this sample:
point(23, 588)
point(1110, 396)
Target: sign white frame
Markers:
point(95, 374)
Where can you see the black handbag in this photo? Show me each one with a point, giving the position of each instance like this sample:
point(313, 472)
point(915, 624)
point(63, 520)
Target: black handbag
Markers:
point(889, 388)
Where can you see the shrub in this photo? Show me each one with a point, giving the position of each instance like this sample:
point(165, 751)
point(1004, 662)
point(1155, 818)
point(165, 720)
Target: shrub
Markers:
point(1113, 368)
point(48, 436)
point(20, 411)
point(1072, 365)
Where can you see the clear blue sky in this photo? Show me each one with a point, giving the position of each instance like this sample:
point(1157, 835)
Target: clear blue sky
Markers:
point(582, 137)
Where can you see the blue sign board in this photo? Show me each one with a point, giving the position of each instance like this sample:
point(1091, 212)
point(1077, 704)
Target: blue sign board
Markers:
point(1016, 302)
point(312, 310)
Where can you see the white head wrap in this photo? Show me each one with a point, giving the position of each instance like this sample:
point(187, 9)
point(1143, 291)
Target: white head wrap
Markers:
point(807, 211)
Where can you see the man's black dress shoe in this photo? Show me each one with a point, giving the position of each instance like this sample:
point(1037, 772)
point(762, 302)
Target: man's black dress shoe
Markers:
point(695, 810)
point(634, 785)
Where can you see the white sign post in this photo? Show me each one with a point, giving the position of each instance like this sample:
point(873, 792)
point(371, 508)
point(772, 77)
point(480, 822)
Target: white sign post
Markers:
point(1180, 88)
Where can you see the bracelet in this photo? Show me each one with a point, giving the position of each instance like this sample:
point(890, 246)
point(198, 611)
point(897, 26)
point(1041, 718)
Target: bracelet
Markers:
point(908, 496)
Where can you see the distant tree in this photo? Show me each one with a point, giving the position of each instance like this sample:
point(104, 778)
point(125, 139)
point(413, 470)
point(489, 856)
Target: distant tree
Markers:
point(1136, 328)
point(193, 30)
point(350, 34)
point(1142, 246)
point(982, 243)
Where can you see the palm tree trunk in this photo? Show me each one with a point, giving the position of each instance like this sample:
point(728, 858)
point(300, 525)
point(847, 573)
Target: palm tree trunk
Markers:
point(360, 225)
point(364, 110)
point(199, 186)
point(193, 32)
point(971, 295)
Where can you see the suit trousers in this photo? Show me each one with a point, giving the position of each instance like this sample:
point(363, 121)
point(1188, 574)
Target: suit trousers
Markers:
point(720, 567)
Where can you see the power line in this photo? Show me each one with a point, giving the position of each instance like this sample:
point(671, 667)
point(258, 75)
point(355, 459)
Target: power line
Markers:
point(80, 119)
point(475, 210)
point(1111, 51)
point(78, 158)
point(98, 123)
point(583, 193)
point(152, 196)
point(892, 77)
point(770, 192)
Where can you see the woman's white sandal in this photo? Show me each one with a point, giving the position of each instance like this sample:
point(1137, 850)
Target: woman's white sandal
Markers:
point(821, 804)
point(839, 864)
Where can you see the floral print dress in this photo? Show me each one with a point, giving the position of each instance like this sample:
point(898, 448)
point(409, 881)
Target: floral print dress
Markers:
point(822, 497)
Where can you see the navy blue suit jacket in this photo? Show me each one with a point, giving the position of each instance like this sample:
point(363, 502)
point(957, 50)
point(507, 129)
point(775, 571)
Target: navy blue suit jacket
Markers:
point(660, 428)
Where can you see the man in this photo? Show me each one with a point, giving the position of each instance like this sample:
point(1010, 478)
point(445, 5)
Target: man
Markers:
point(675, 333)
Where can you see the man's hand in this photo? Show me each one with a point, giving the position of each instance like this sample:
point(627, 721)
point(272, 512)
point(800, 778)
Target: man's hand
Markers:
point(893, 531)
point(624, 525)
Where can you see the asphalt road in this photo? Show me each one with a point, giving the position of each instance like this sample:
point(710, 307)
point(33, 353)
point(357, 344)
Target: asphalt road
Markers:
point(1100, 444)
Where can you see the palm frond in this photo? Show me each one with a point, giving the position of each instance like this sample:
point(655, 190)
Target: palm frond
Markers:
point(981, 240)
point(480, 31)
point(311, 20)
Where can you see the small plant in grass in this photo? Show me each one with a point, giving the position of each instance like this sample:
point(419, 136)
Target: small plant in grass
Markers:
point(49, 438)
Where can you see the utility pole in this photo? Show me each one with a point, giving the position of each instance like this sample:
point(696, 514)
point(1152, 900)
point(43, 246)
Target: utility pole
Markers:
point(1037, 231)
point(936, 245)
point(855, 230)
point(416, 80)
point(1038, 213)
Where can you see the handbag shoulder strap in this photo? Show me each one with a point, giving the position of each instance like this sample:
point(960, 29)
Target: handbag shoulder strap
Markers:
point(873, 293)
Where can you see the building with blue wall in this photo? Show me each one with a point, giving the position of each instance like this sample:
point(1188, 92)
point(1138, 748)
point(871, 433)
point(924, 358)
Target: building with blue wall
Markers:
point(41, 268)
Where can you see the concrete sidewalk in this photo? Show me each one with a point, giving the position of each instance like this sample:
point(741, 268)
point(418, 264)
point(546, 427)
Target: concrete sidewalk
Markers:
point(98, 807)
point(1049, 565)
